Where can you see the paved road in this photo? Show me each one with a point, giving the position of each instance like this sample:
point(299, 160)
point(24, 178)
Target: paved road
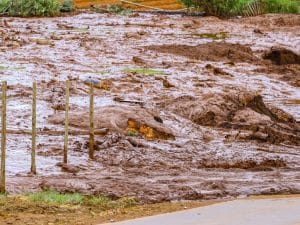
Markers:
point(277, 211)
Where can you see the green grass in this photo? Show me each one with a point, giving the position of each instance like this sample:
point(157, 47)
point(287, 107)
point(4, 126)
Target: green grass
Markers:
point(11, 68)
point(30, 7)
point(67, 6)
point(56, 198)
point(144, 71)
point(228, 8)
point(132, 133)
point(118, 9)
point(3, 67)
point(2, 196)
point(283, 6)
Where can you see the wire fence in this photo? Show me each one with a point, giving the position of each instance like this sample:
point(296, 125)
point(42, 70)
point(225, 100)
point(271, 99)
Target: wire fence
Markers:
point(34, 132)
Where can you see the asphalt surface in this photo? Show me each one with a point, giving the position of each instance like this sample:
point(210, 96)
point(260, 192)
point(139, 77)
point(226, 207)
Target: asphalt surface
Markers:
point(277, 211)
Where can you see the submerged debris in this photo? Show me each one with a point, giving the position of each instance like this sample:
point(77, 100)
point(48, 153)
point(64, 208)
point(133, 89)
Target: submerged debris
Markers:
point(282, 56)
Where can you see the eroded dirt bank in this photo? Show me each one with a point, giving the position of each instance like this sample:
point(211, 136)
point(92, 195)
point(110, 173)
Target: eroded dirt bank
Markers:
point(216, 114)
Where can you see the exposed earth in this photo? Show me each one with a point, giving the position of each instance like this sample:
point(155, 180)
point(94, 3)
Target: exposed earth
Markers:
point(186, 107)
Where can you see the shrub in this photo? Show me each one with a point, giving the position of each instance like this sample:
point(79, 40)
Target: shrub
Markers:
point(118, 9)
point(227, 8)
point(67, 6)
point(29, 7)
point(283, 6)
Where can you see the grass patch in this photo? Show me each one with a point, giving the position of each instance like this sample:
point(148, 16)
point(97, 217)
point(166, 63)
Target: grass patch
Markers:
point(30, 7)
point(67, 6)
point(118, 9)
point(3, 67)
point(56, 198)
point(144, 71)
point(51, 207)
point(27, 8)
point(231, 8)
point(11, 68)
point(283, 6)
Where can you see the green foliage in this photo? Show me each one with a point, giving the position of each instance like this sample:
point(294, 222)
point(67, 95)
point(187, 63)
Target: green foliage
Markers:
point(132, 133)
point(143, 71)
point(227, 8)
point(4, 5)
point(3, 67)
point(67, 6)
point(283, 6)
point(118, 9)
point(56, 198)
point(191, 3)
point(29, 7)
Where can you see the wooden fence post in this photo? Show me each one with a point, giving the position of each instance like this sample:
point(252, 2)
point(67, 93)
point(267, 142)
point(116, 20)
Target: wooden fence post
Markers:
point(33, 141)
point(66, 122)
point(3, 138)
point(91, 118)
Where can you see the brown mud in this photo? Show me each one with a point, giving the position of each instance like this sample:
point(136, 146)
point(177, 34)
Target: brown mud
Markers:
point(214, 51)
point(179, 115)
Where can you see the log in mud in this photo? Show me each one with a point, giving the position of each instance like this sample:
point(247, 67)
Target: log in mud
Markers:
point(188, 108)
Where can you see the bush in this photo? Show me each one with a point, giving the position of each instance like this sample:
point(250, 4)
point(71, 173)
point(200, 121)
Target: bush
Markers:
point(227, 8)
point(29, 7)
point(283, 6)
point(67, 6)
point(118, 9)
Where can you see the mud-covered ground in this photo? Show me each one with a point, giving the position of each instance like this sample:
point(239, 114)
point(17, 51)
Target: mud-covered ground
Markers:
point(215, 114)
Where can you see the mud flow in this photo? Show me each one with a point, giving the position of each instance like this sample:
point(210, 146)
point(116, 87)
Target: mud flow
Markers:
point(185, 107)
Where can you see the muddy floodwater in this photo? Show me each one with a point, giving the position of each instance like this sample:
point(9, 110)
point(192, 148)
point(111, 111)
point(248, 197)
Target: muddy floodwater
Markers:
point(185, 107)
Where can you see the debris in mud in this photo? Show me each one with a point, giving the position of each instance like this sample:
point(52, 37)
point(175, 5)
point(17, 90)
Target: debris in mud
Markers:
point(239, 110)
point(69, 168)
point(217, 71)
point(214, 36)
point(282, 56)
point(289, 73)
point(44, 42)
point(213, 51)
point(128, 120)
point(138, 60)
point(250, 164)
point(105, 84)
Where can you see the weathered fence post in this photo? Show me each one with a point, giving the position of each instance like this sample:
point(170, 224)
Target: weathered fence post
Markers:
point(91, 117)
point(66, 122)
point(3, 137)
point(33, 141)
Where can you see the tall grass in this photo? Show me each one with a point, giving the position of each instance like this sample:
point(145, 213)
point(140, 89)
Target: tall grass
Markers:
point(283, 6)
point(56, 198)
point(228, 8)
